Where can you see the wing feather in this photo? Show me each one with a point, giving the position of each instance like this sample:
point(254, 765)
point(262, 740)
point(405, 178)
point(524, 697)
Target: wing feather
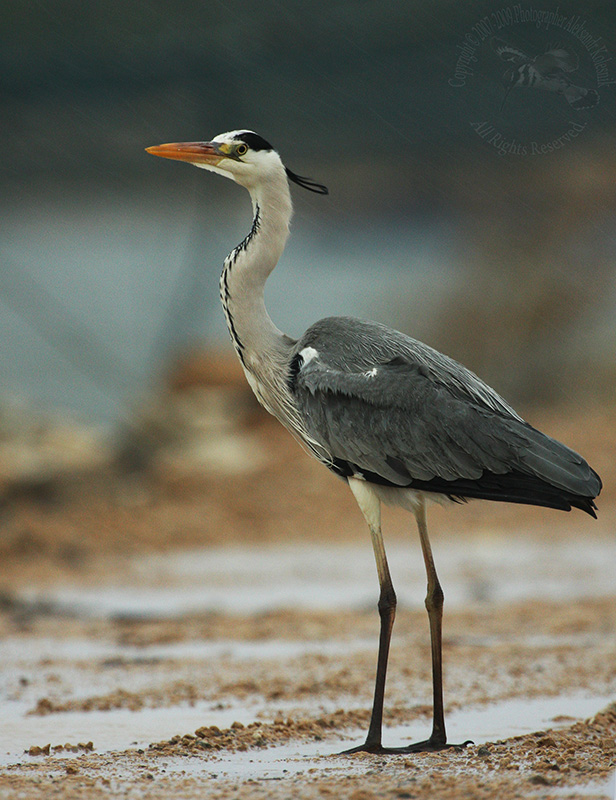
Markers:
point(395, 421)
point(392, 407)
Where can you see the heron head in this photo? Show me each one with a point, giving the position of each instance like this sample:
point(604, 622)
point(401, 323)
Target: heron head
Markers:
point(242, 155)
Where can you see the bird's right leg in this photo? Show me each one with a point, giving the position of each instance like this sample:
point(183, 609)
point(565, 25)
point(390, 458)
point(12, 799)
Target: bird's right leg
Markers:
point(370, 506)
point(434, 606)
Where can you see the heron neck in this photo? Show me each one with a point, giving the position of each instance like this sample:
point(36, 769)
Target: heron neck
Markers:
point(249, 265)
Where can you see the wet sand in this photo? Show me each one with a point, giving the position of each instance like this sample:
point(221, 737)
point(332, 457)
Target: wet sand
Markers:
point(215, 636)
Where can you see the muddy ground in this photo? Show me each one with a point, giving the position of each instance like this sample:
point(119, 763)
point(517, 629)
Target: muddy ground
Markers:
point(209, 630)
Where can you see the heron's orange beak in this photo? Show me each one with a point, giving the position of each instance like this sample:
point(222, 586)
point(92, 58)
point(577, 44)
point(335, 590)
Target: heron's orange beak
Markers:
point(193, 152)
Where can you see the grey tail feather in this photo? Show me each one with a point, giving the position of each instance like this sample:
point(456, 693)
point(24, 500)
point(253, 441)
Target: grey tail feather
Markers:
point(562, 468)
point(510, 487)
point(547, 473)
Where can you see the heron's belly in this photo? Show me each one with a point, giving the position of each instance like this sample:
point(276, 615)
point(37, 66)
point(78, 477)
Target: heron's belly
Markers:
point(408, 498)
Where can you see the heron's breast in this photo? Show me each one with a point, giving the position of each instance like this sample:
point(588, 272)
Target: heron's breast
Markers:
point(259, 389)
point(271, 390)
point(267, 394)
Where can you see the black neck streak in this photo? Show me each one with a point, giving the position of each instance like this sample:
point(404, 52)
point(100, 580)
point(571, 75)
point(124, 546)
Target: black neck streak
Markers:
point(224, 283)
point(242, 246)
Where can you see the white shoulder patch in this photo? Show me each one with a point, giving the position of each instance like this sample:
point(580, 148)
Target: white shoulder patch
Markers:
point(308, 353)
point(371, 373)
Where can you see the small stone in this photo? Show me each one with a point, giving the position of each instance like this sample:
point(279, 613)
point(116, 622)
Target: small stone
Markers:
point(35, 750)
point(545, 741)
point(539, 779)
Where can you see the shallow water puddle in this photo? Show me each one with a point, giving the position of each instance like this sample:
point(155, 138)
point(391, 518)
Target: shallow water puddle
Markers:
point(595, 791)
point(507, 718)
point(485, 724)
point(24, 652)
point(120, 729)
point(321, 577)
point(116, 729)
point(251, 580)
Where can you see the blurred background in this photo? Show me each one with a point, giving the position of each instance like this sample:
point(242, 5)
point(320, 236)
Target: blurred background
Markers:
point(465, 209)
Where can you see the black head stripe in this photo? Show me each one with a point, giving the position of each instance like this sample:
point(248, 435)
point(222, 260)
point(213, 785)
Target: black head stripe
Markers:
point(306, 183)
point(254, 141)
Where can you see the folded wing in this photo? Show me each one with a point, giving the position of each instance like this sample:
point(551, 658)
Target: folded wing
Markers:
point(403, 422)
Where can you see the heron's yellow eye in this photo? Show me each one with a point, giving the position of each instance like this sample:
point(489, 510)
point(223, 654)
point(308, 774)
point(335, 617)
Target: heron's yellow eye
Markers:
point(241, 149)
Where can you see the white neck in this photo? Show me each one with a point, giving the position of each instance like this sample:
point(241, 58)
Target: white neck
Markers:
point(265, 352)
point(247, 268)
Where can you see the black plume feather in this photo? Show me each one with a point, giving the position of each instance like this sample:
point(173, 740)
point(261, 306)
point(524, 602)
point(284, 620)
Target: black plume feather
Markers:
point(306, 183)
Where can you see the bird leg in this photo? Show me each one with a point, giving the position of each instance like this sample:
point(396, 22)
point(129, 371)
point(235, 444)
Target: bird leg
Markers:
point(370, 506)
point(371, 509)
point(434, 606)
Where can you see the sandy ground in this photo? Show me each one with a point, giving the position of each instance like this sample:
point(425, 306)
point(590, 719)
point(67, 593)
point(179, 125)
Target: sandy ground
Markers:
point(213, 634)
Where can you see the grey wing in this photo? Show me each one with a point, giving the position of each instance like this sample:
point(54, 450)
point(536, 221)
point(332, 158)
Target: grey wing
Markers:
point(353, 345)
point(392, 420)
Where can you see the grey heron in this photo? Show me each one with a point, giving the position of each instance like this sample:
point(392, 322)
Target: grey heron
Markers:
point(400, 422)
